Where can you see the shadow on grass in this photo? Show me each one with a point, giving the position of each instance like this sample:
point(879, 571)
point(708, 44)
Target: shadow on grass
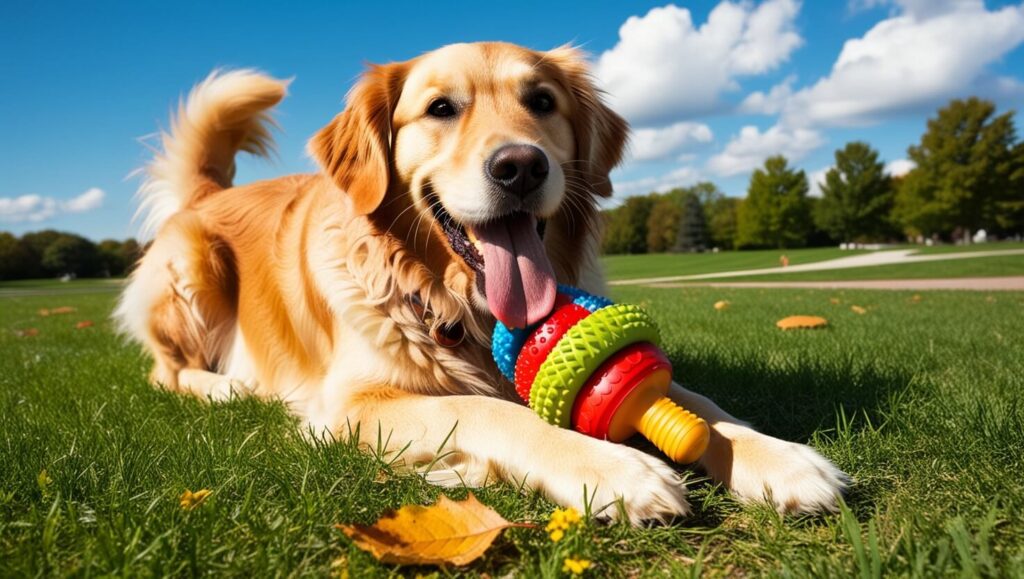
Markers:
point(792, 400)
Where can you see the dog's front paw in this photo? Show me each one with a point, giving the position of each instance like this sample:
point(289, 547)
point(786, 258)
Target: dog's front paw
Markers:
point(648, 489)
point(793, 477)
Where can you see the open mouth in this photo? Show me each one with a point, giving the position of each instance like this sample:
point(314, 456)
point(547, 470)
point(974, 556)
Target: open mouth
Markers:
point(462, 242)
point(513, 269)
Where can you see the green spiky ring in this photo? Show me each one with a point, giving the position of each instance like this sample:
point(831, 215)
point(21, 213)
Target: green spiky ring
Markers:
point(580, 352)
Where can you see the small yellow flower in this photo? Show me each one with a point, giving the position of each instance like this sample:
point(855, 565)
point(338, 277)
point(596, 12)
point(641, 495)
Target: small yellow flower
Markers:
point(191, 500)
point(560, 522)
point(572, 517)
point(575, 566)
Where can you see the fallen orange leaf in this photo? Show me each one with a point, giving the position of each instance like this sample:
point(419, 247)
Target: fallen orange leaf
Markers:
point(190, 500)
point(915, 298)
point(447, 532)
point(44, 312)
point(858, 310)
point(84, 324)
point(61, 310)
point(27, 332)
point(721, 305)
point(834, 301)
point(797, 322)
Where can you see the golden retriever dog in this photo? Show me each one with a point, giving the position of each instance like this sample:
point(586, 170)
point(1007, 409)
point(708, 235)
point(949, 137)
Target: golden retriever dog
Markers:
point(454, 189)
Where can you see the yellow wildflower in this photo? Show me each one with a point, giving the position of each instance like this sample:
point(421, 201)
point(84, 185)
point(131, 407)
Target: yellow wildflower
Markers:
point(575, 566)
point(560, 522)
point(191, 500)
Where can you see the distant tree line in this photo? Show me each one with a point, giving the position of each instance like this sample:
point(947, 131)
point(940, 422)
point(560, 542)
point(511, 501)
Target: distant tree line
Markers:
point(969, 175)
point(51, 253)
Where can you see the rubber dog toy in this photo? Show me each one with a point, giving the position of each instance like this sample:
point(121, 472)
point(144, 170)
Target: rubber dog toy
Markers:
point(594, 366)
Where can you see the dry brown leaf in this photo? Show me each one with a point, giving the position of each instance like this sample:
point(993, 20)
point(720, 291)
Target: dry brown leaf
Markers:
point(721, 305)
point(61, 310)
point(27, 332)
point(44, 312)
point(858, 310)
point(915, 298)
point(834, 301)
point(84, 324)
point(797, 322)
point(447, 532)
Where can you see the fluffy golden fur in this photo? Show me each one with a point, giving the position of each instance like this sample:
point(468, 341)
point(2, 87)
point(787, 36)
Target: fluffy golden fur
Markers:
point(298, 288)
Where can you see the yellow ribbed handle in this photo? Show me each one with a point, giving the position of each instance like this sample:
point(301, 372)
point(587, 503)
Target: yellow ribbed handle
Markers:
point(677, 432)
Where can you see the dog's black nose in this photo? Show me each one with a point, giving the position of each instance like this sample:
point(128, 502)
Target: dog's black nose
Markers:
point(518, 169)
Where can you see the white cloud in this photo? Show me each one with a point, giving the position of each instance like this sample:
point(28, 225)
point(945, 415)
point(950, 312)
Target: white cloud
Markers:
point(27, 208)
point(916, 8)
point(918, 58)
point(664, 68)
point(36, 208)
point(900, 167)
point(751, 147)
point(770, 103)
point(680, 177)
point(663, 143)
point(91, 199)
point(815, 180)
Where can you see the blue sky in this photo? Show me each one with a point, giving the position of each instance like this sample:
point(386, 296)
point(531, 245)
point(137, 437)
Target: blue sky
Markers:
point(711, 87)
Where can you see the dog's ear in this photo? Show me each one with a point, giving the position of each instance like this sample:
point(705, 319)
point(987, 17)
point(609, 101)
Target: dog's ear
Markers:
point(354, 149)
point(601, 134)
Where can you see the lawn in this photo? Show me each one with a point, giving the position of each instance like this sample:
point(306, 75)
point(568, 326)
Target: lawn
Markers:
point(993, 246)
point(922, 401)
point(989, 266)
point(671, 264)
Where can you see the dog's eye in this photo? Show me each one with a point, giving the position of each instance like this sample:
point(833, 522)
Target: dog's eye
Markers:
point(441, 108)
point(540, 102)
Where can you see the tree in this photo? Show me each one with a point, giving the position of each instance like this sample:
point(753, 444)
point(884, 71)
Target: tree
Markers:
point(856, 196)
point(722, 215)
point(626, 226)
point(692, 234)
point(1010, 217)
point(117, 257)
point(131, 253)
point(72, 254)
point(776, 212)
point(36, 243)
point(663, 222)
point(16, 258)
point(964, 174)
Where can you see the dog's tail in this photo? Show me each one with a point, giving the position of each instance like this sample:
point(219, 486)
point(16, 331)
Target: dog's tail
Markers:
point(224, 114)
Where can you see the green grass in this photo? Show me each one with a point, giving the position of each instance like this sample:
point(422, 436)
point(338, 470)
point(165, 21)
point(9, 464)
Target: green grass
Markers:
point(671, 264)
point(56, 284)
point(991, 266)
point(922, 402)
point(994, 246)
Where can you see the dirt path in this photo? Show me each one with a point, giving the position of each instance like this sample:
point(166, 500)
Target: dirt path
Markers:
point(887, 257)
point(1012, 283)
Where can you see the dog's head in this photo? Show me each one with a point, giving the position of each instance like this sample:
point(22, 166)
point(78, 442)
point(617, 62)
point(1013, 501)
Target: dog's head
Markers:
point(490, 142)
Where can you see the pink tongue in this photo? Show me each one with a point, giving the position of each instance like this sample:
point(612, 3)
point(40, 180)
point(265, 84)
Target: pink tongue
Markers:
point(520, 283)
